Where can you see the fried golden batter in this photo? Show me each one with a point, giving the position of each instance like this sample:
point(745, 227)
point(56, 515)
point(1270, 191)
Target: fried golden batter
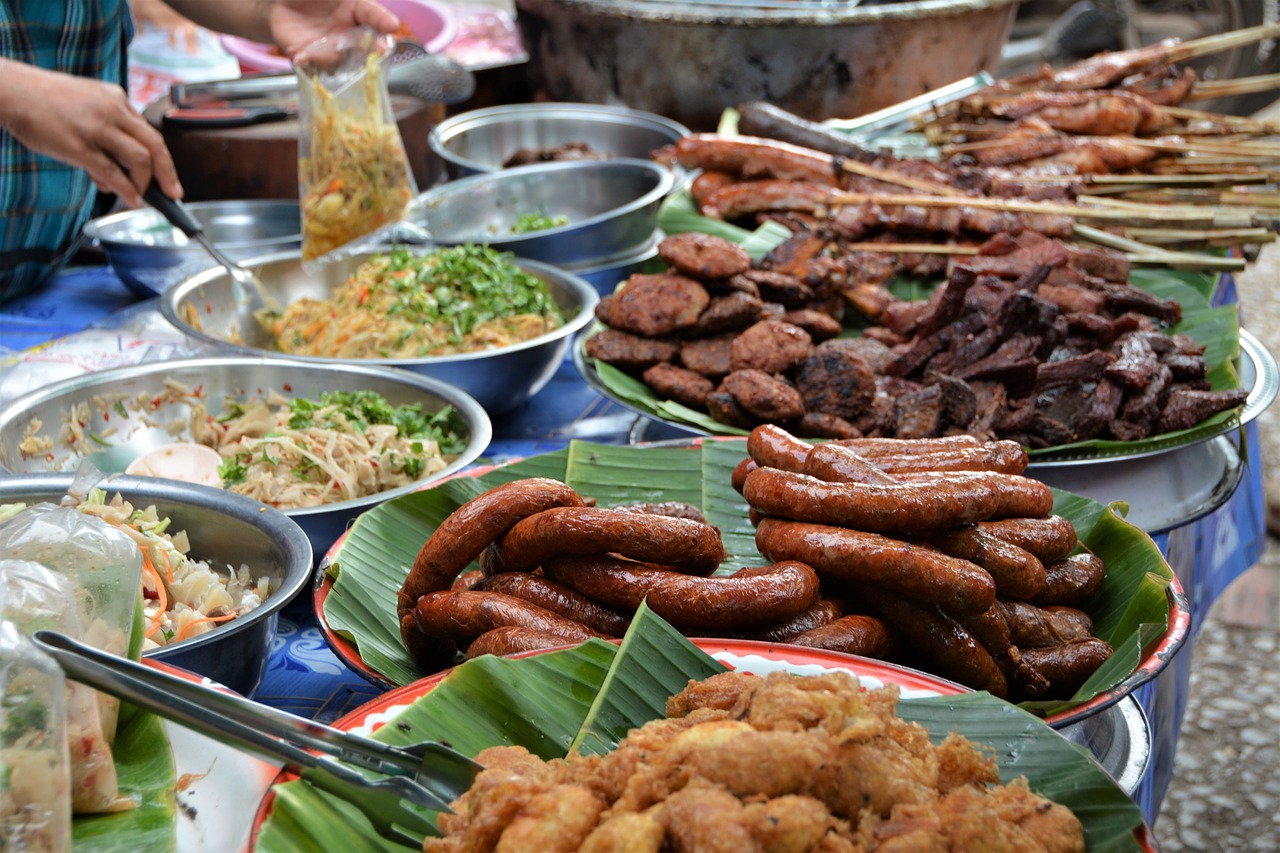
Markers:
point(780, 764)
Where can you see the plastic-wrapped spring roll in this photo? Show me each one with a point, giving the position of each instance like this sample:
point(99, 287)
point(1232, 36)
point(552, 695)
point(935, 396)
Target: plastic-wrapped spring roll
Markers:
point(35, 781)
point(32, 598)
point(104, 566)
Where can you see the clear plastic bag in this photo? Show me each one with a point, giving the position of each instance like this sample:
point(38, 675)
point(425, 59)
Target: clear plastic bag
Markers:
point(35, 779)
point(34, 598)
point(353, 173)
point(104, 566)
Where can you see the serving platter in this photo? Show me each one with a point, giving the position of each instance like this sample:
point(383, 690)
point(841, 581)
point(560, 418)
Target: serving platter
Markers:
point(403, 715)
point(355, 586)
point(1257, 370)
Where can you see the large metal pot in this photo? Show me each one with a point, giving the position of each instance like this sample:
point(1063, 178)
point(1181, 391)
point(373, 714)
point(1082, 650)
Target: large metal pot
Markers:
point(690, 60)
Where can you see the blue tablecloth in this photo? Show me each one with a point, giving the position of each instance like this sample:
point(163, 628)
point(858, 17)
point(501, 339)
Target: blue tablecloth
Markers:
point(304, 677)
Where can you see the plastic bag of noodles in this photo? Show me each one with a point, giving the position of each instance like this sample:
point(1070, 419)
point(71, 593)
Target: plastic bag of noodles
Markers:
point(104, 566)
point(35, 783)
point(34, 598)
point(353, 174)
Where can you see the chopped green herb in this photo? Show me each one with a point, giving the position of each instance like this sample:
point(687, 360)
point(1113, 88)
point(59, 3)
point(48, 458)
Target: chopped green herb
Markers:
point(232, 472)
point(97, 439)
point(527, 222)
point(120, 409)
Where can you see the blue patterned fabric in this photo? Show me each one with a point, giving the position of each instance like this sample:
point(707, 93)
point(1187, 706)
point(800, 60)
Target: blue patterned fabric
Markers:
point(44, 203)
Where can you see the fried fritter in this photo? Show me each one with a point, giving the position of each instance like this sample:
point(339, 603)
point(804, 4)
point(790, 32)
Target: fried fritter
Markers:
point(770, 345)
point(779, 764)
point(629, 352)
point(654, 304)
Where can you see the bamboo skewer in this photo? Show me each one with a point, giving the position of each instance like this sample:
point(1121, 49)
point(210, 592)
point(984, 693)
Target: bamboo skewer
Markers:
point(1142, 253)
point(1207, 89)
point(911, 248)
point(1192, 238)
point(891, 177)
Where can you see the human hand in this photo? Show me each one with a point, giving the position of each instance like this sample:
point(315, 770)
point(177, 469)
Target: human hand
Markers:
point(89, 124)
point(297, 23)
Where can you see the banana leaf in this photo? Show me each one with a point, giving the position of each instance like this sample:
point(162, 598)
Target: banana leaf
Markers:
point(1129, 611)
point(586, 698)
point(144, 767)
point(1217, 328)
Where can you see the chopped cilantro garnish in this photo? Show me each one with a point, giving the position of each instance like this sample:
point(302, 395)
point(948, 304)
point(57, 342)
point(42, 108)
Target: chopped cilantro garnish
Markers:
point(232, 472)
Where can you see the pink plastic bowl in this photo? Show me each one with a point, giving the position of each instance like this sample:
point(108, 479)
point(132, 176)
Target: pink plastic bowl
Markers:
point(432, 24)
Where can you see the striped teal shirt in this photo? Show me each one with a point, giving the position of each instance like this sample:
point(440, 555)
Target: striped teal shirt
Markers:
point(43, 202)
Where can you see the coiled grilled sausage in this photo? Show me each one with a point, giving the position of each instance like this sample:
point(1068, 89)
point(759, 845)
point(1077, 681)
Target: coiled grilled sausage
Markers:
point(740, 472)
point(689, 602)
point(460, 617)
point(1070, 579)
point(1049, 538)
point(772, 446)
point(1067, 666)
point(838, 464)
point(873, 447)
point(460, 539)
point(823, 612)
point(897, 507)
point(916, 571)
point(854, 634)
point(671, 509)
point(557, 598)
point(1031, 626)
point(1007, 457)
point(676, 542)
point(510, 639)
point(954, 652)
point(1017, 572)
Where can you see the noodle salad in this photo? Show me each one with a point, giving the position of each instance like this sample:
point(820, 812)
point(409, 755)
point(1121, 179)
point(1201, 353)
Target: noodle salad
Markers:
point(297, 452)
point(403, 305)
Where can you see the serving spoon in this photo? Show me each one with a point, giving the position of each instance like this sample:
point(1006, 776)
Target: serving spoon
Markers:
point(250, 293)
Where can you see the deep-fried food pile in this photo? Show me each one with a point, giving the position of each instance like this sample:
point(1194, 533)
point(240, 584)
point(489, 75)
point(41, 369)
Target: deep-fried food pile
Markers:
point(781, 763)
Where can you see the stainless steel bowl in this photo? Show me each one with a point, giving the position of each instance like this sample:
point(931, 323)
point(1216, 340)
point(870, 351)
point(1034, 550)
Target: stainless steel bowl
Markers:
point(149, 254)
point(499, 380)
point(482, 140)
point(224, 529)
point(610, 208)
point(235, 377)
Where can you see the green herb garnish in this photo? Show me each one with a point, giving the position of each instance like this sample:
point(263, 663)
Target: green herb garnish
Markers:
point(527, 222)
point(232, 472)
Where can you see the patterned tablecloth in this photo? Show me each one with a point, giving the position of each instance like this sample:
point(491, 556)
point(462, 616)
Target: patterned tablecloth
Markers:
point(86, 320)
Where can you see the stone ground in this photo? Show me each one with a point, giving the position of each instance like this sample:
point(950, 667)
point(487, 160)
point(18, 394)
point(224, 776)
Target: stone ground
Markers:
point(1225, 793)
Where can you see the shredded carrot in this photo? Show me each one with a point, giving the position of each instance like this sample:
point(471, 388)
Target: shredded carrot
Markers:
point(278, 328)
point(187, 627)
point(363, 296)
point(334, 185)
point(150, 568)
point(313, 329)
point(168, 564)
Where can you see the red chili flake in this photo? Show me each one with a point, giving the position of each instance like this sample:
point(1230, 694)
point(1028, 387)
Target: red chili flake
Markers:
point(208, 308)
point(150, 594)
point(288, 388)
point(106, 416)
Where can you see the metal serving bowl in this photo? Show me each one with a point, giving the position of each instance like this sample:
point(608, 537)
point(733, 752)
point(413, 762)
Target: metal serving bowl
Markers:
point(610, 208)
point(224, 529)
point(149, 254)
point(690, 60)
point(482, 140)
point(235, 377)
point(499, 379)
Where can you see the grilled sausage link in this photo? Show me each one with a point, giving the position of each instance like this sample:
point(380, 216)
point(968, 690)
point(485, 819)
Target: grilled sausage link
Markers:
point(689, 546)
point(898, 507)
point(557, 598)
point(1049, 538)
point(460, 617)
point(1070, 579)
point(854, 634)
point(1016, 572)
point(1031, 626)
point(691, 603)
point(511, 639)
point(915, 571)
point(1067, 666)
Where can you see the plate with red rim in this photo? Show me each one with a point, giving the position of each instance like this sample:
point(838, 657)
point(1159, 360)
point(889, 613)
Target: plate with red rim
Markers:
point(1155, 657)
point(750, 656)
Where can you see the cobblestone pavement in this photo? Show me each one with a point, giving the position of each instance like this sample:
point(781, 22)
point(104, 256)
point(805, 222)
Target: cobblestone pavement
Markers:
point(1225, 792)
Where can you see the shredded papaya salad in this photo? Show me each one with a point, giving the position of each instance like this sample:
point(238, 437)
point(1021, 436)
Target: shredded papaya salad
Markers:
point(356, 179)
point(403, 305)
point(183, 597)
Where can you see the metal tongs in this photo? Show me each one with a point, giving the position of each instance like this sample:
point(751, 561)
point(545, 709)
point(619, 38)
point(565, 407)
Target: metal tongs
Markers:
point(428, 774)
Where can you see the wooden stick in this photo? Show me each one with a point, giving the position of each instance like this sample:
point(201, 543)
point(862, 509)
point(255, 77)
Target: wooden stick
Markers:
point(913, 248)
point(1190, 239)
point(1207, 89)
point(1141, 253)
point(1218, 43)
point(889, 176)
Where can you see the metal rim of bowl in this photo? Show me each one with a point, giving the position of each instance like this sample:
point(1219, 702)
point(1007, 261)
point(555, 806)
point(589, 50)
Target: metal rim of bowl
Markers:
point(665, 182)
point(441, 135)
point(94, 228)
point(147, 490)
point(584, 294)
point(477, 419)
point(732, 14)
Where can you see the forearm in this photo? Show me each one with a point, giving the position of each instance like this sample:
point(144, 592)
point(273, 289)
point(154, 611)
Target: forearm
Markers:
point(245, 18)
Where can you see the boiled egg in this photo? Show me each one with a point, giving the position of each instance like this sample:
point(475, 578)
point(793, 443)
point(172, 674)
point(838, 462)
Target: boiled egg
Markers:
point(191, 463)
